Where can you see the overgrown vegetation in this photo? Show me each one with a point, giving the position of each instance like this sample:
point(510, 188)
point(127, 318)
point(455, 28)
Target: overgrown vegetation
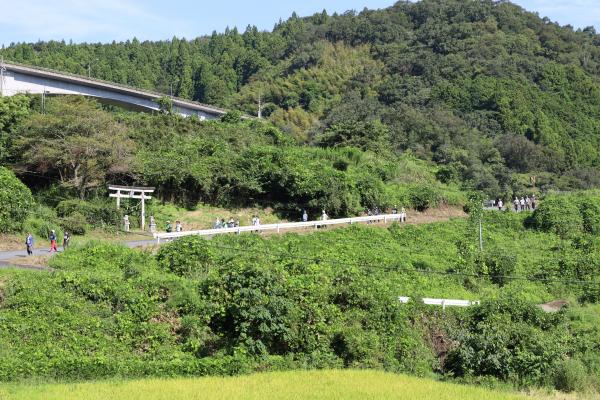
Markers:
point(15, 201)
point(329, 299)
point(411, 106)
point(76, 148)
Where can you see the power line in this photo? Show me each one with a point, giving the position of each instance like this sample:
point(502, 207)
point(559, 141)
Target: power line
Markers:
point(397, 268)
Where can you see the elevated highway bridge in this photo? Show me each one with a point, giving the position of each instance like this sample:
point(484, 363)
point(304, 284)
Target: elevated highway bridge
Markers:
point(22, 79)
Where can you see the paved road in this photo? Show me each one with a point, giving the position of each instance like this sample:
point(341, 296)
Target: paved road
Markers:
point(20, 256)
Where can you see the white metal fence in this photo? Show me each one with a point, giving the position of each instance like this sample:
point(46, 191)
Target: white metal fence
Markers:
point(442, 302)
point(287, 226)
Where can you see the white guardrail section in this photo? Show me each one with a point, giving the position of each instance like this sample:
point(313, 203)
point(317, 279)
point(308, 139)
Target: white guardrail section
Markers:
point(443, 302)
point(279, 227)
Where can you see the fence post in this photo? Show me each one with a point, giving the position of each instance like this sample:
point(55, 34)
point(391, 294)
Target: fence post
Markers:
point(277, 228)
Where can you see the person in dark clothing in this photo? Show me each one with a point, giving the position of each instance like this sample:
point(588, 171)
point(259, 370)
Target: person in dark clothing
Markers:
point(66, 240)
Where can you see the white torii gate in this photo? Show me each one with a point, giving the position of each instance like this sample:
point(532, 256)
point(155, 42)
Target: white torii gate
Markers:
point(132, 192)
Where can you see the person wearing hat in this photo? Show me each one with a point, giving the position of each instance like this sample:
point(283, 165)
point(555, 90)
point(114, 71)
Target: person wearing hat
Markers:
point(169, 227)
point(52, 241)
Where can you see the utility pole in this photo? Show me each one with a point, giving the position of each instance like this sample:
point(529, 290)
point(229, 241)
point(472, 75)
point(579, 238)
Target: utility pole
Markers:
point(259, 106)
point(2, 70)
point(90, 68)
point(480, 236)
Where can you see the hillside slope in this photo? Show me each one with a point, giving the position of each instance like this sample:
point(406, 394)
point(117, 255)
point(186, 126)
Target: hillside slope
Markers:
point(485, 89)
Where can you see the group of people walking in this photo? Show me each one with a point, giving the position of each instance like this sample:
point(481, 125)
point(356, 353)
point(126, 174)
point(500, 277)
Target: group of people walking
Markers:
point(231, 223)
point(169, 227)
point(525, 203)
point(222, 223)
point(30, 241)
point(519, 204)
point(394, 210)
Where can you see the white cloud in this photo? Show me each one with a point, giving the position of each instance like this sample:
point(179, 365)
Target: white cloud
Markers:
point(578, 13)
point(88, 20)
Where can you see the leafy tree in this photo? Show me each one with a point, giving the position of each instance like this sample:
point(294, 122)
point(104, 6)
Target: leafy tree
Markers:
point(13, 110)
point(166, 104)
point(77, 141)
point(15, 201)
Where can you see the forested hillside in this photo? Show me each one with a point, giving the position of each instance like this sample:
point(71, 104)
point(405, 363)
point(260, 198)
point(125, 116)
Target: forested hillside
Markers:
point(493, 94)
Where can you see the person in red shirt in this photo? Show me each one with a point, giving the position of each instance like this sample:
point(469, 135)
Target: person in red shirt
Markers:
point(52, 241)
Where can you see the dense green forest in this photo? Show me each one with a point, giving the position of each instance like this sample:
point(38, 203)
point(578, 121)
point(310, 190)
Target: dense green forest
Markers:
point(490, 92)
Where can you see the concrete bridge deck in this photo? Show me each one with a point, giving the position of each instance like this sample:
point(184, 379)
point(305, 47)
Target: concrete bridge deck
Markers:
point(17, 79)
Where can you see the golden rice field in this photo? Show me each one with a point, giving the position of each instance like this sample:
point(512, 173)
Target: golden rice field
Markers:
point(317, 385)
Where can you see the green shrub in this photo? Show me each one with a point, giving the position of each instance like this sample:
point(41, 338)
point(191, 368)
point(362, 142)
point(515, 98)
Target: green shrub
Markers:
point(570, 376)
point(558, 214)
point(96, 213)
point(41, 221)
point(590, 213)
point(185, 256)
point(510, 339)
point(39, 227)
point(75, 223)
point(15, 202)
point(103, 256)
point(231, 117)
point(500, 263)
point(423, 197)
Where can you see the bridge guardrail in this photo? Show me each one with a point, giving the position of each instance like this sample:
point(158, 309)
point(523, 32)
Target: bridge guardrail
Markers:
point(277, 227)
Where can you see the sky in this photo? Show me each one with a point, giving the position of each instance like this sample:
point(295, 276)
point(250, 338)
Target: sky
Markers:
point(108, 20)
